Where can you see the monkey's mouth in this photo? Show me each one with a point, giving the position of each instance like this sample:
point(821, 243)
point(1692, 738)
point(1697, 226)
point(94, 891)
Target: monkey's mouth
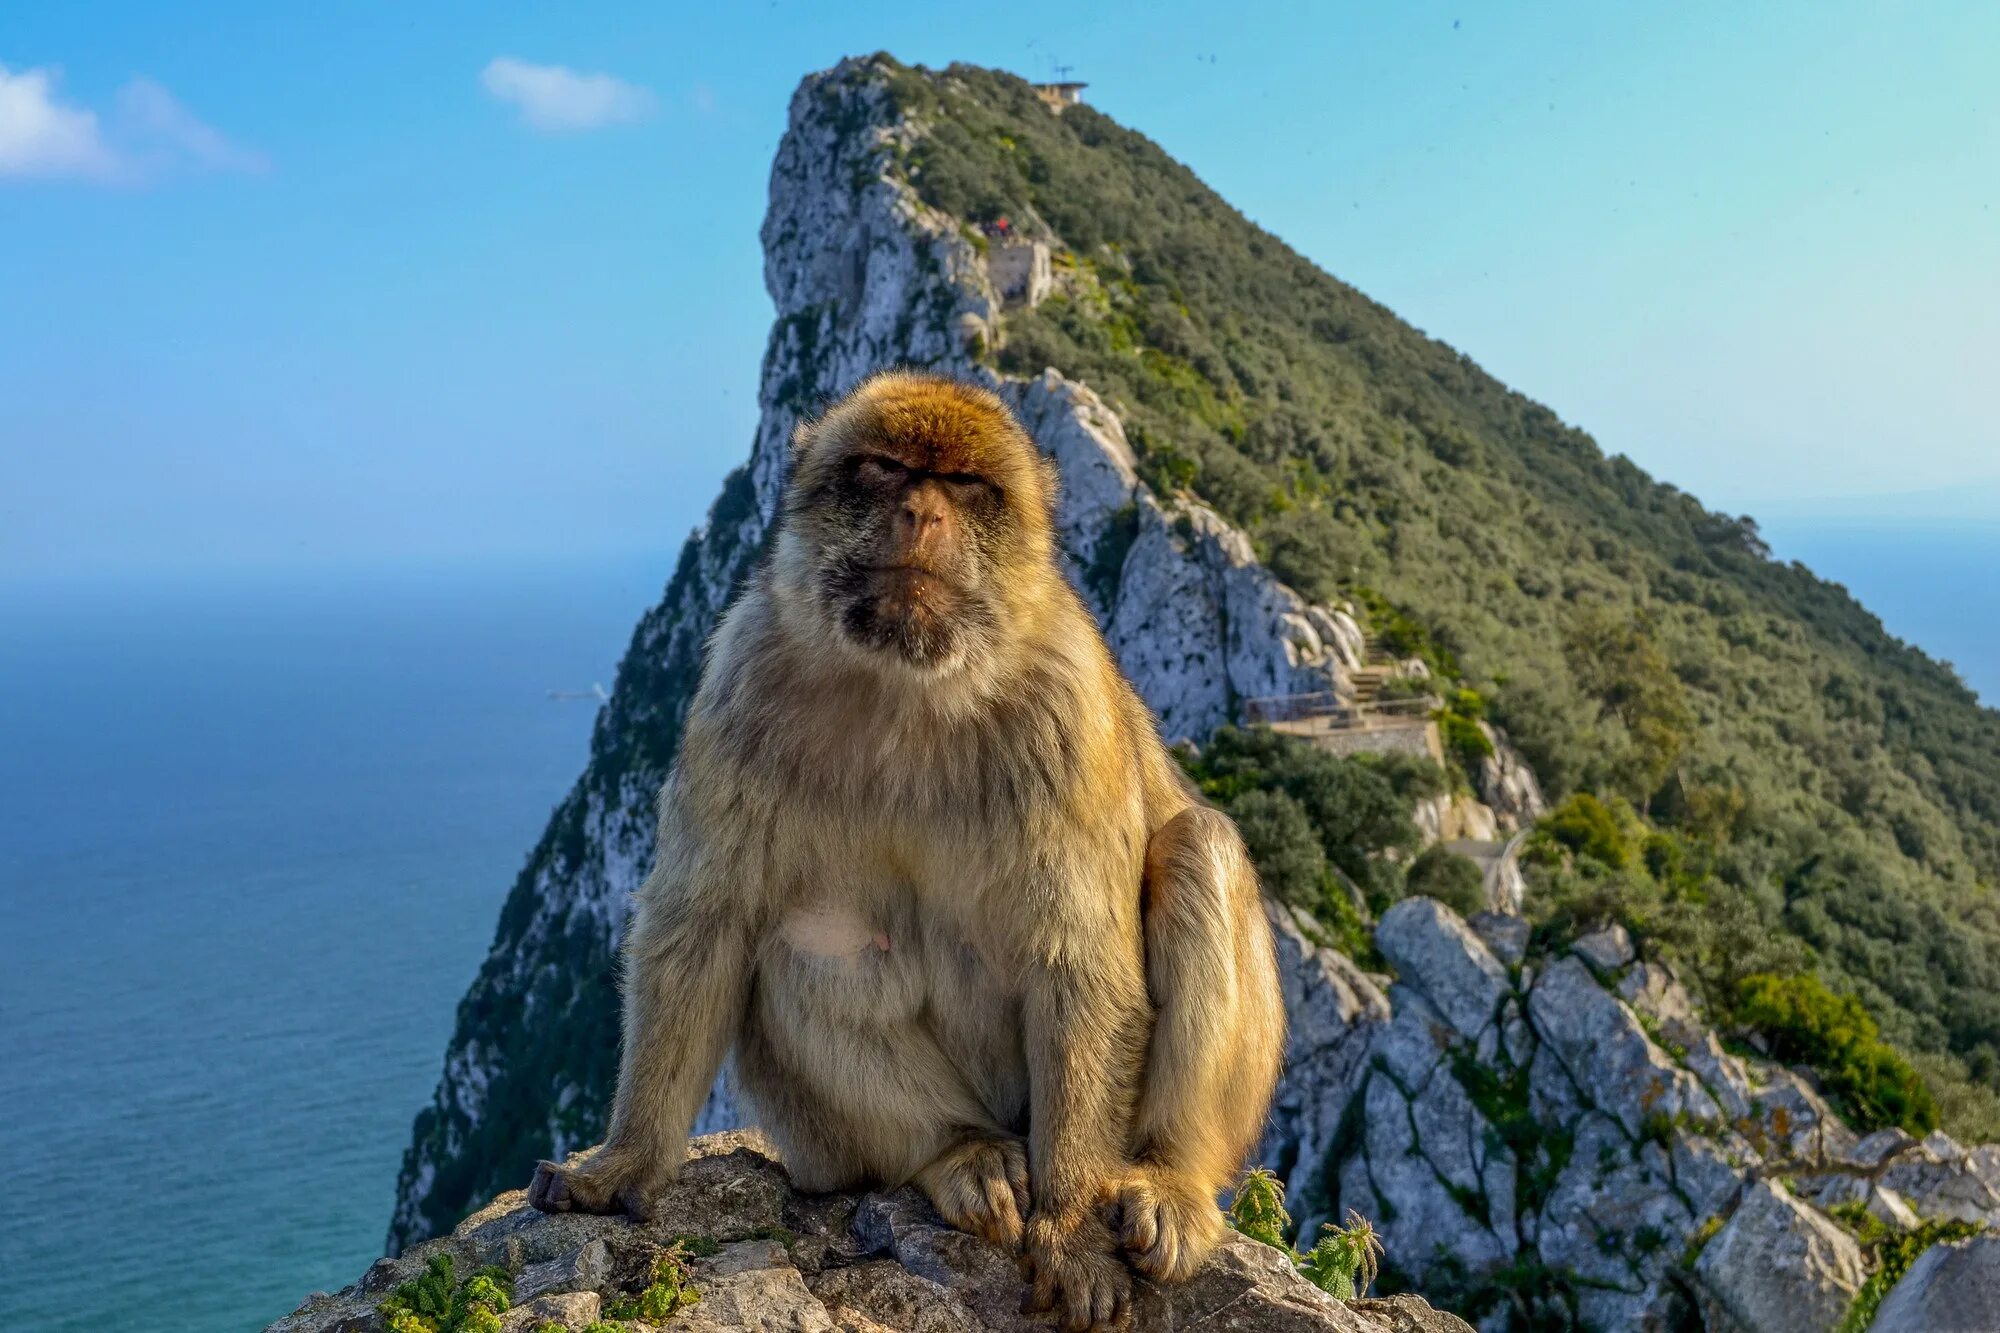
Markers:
point(909, 609)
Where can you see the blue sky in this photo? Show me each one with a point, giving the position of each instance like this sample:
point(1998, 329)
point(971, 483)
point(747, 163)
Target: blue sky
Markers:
point(312, 285)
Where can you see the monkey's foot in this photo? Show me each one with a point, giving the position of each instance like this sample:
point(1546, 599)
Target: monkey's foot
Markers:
point(1167, 1223)
point(1075, 1271)
point(980, 1185)
point(594, 1186)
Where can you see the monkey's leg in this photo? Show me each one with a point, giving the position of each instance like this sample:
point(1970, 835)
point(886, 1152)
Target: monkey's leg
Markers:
point(1218, 1037)
point(1084, 1030)
point(686, 981)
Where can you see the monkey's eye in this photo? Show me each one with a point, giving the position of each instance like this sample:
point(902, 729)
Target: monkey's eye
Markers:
point(969, 481)
point(874, 468)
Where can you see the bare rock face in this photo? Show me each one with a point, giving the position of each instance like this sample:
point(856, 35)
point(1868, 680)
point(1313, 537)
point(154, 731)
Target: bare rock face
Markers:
point(1778, 1267)
point(766, 1257)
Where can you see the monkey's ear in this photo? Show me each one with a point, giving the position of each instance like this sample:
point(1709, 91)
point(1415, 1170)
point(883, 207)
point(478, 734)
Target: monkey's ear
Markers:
point(802, 438)
point(1051, 478)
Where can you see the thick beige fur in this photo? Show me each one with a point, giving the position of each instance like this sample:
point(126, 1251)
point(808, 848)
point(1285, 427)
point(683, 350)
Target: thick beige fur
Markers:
point(926, 865)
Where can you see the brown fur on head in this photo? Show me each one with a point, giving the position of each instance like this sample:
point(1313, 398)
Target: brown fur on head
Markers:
point(917, 522)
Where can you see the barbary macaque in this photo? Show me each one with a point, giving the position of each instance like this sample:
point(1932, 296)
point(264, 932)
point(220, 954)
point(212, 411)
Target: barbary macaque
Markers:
point(925, 864)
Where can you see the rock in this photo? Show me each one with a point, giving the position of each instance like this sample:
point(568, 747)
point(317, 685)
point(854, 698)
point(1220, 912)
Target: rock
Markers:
point(1507, 784)
point(1406, 1314)
point(1333, 1012)
point(1608, 1056)
point(1945, 1188)
point(571, 1309)
point(1505, 935)
point(1435, 952)
point(1876, 1148)
point(1607, 950)
point(1951, 1288)
point(574, 1272)
point(785, 1262)
point(1793, 1121)
point(1778, 1266)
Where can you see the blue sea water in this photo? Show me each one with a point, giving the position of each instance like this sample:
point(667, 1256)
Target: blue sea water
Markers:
point(254, 836)
point(1936, 585)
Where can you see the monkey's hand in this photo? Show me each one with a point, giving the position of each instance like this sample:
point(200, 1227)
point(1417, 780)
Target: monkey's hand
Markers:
point(1074, 1270)
point(1167, 1223)
point(602, 1184)
point(980, 1185)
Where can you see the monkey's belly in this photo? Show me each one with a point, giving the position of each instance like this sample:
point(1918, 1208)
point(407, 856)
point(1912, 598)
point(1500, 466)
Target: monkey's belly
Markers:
point(840, 991)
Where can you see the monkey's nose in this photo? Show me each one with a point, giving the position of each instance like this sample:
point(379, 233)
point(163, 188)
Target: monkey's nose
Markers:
point(923, 518)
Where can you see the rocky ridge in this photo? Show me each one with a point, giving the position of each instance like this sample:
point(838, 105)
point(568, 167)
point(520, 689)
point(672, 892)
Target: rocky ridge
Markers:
point(1557, 1139)
point(762, 1256)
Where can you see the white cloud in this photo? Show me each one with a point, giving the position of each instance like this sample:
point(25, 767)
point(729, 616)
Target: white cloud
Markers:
point(40, 136)
point(150, 135)
point(556, 100)
point(165, 128)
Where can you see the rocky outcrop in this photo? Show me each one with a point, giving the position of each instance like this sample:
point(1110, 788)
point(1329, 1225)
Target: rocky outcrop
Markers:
point(1778, 1267)
point(1558, 1141)
point(764, 1256)
point(1952, 1288)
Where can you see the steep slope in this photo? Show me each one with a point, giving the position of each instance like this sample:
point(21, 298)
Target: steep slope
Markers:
point(1195, 356)
point(1632, 641)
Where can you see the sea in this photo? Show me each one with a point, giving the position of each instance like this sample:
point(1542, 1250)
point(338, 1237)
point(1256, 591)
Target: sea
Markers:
point(254, 836)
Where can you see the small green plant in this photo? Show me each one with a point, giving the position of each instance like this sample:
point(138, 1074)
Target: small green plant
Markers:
point(436, 1301)
point(1258, 1210)
point(669, 1290)
point(1698, 1242)
point(1342, 1263)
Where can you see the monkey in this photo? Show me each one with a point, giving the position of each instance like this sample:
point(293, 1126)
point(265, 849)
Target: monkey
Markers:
point(927, 868)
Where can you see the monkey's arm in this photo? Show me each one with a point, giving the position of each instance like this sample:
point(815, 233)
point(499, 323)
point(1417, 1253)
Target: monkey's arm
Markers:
point(1084, 1024)
point(687, 979)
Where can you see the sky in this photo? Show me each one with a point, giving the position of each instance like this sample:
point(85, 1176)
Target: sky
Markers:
point(372, 284)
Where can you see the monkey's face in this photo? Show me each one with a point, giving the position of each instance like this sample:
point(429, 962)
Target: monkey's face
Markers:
point(912, 502)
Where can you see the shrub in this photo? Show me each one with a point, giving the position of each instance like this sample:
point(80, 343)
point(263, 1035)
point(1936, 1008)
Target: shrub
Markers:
point(1587, 827)
point(1452, 879)
point(1805, 1022)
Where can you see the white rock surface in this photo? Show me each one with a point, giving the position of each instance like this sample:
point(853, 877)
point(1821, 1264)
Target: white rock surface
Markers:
point(1779, 1267)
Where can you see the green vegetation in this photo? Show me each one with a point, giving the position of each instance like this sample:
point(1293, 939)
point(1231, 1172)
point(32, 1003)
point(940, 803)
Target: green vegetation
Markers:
point(1448, 877)
point(1593, 861)
point(669, 1290)
point(1890, 1255)
point(1343, 1262)
point(436, 1301)
point(1324, 831)
point(1636, 646)
point(1805, 1023)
